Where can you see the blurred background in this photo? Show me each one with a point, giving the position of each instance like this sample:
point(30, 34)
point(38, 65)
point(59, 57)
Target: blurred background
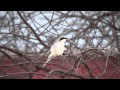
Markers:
point(26, 33)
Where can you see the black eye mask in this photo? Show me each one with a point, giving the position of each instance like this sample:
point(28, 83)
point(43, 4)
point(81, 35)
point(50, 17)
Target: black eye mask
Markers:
point(63, 38)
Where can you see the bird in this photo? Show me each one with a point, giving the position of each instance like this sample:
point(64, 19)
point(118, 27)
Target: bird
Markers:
point(56, 49)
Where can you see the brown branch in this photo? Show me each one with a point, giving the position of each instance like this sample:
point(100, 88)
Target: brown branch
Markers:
point(16, 52)
point(87, 67)
point(65, 73)
point(72, 69)
point(4, 53)
point(20, 73)
point(32, 30)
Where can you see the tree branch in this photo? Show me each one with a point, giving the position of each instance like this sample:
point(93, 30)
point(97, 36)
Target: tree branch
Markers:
point(32, 30)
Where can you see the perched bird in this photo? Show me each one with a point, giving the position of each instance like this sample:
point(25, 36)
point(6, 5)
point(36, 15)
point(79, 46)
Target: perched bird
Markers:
point(56, 49)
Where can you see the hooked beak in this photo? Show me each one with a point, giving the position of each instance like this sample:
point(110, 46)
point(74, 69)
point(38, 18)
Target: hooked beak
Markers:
point(67, 39)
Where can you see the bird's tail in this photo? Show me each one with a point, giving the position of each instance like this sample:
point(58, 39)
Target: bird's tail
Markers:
point(46, 62)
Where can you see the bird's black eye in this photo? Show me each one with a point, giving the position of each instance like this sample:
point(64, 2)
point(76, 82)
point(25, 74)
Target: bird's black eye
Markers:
point(63, 38)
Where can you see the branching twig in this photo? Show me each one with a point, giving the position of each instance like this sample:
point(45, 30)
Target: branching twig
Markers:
point(32, 30)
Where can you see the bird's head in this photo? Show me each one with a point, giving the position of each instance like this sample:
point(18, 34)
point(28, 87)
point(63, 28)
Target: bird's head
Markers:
point(63, 39)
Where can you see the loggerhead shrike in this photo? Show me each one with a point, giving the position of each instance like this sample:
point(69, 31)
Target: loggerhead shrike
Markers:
point(56, 49)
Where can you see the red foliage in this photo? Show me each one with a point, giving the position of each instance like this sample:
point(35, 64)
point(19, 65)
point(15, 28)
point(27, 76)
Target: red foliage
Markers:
point(96, 67)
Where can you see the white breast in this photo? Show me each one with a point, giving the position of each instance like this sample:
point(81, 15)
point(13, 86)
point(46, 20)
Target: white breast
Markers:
point(57, 48)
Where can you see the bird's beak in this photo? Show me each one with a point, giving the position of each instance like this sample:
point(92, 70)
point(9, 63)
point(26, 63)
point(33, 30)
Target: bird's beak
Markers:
point(67, 39)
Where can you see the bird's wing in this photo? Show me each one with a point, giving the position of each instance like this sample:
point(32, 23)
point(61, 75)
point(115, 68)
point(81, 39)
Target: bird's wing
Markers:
point(54, 46)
